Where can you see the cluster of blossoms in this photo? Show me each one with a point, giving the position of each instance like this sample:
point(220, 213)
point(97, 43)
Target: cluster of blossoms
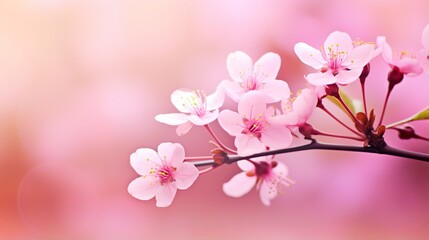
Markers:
point(268, 117)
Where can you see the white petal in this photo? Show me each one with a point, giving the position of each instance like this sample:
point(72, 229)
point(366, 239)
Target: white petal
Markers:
point(276, 90)
point(309, 55)
point(178, 98)
point(231, 122)
point(172, 118)
point(268, 66)
point(185, 175)
point(348, 76)
point(232, 89)
point(143, 188)
point(321, 79)
point(386, 50)
point(172, 153)
point(247, 145)
point(216, 99)
point(338, 42)
point(205, 119)
point(245, 165)
point(143, 160)
point(267, 192)
point(184, 128)
point(239, 185)
point(165, 195)
point(237, 64)
point(360, 56)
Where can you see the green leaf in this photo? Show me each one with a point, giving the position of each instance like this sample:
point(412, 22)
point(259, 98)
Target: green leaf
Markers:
point(421, 115)
point(354, 105)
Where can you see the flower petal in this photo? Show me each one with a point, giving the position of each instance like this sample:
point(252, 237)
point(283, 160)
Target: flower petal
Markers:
point(320, 79)
point(360, 56)
point(143, 160)
point(239, 185)
point(165, 195)
point(178, 98)
point(185, 175)
point(268, 66)
point(281, 170)
point(425, 37)
point(252, 104)
point(231, 122)
point(216, 99)
point(247, 145)
point(144, 188)
point(205, 119)
point(238, 63)
point(386, 50)
point(267, 192)
point(233, 89)
point(184, 128)
point(348, 76)
point(245, 165)
point(304, 104)
point(172, 118)
point(172, 153)
point(309, 55)
point(276, 90)
point(276, 137)
point(338, 42)
point(409, 66)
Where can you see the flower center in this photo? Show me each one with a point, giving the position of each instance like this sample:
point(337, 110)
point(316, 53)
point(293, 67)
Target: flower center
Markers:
point(252, 80)
point(195, 103)
point(335, 58)
point(165, 174)
point(255, 126)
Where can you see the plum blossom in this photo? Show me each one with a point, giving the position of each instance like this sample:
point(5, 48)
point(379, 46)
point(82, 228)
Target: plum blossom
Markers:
point(338, 62)
point(196, 109)
point(161, 173)
point(423, 55)
point(252, 126)
point(261, 76)
point(403, 64)
point(269, 176)
point(297, 111)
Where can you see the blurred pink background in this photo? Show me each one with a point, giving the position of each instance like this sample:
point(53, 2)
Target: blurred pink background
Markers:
point(81, 82)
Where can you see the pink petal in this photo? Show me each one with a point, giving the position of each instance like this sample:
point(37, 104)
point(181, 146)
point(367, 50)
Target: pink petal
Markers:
point(216, 99)
point(305, 103)
point(144, 188)
point(245, 165)
point(338, 42)
point(386, 50)
point(233, 89)
point(423, 60)
point(247, 145)
point(205, 119)
point(178, 97)
point(276, 90)
point(309, 55)
point(348, 76)
point(185, 175)
point(360, 56)
point(425, 37)
point(165, 195)
point(288, 119)
point(321, 79)
point(231, 122)
point(238, 63)
point(268, 65)
point(172, 118)
point(280, 170)
point(267, 192)
point(143, 160)
point(239, 185)
point(172, 153)
point(184, 128)
point(409, 66)
point(252, 104)
point(276, 137)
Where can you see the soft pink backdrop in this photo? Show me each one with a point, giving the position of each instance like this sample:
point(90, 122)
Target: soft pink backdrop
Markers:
point(81, 82)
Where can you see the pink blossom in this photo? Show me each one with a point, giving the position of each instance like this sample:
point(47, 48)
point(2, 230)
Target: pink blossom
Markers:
point(338, 62)
point(252, 126)
point(196, 109)
point(161, 173)
point(297, 111)
point(402, 63)
point(259, 77)
point(423, 55)
point(270, 178)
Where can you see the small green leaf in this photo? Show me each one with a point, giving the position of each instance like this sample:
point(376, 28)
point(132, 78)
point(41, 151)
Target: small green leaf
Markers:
point(354, 105)
point(422, 115)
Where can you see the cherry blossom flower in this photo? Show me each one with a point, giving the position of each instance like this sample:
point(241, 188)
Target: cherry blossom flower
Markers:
point(403, 64)
point(338, 61)
point(252, 126)
point(423, 55)
point(269, 176)
point(260, 77)
point(161, 173)
point(297, 111)
point(196, 109)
